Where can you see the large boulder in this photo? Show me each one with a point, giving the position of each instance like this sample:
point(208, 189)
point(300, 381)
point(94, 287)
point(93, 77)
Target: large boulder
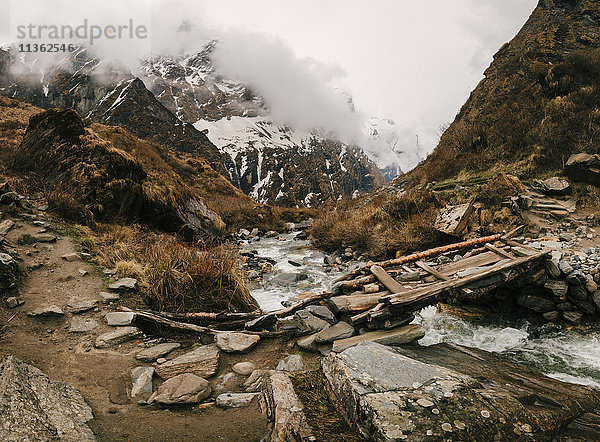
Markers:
point(186, 388)
point(203, 362)
point(584, 167)
point(446, 391)
point(32, 407)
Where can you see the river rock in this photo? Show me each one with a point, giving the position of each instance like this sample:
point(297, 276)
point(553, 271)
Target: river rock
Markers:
point(185, 388)
point(322, 312)
point(118, 336)
point(124, 285)
point(288, 278)
point(244, 368)
point(48, 311)
point(34, 408)
point(76, 307)
point(202, 361)
point(553, 269)
point(80, 325)
point(141, 379)
point(309, 323)
point(536, 303)
point(151, 354)
point(386, 394)
point(399, 336)
point(266, 322)
point(573, 317)
point(232, 342)
point(332, 333)
point(558, 287)
point(119, 319)
point(291, 363)
point(576, 278)
point(551, 316)
point(235, 400)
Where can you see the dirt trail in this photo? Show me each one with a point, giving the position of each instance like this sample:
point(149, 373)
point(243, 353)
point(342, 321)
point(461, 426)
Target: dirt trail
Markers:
point(103, 375)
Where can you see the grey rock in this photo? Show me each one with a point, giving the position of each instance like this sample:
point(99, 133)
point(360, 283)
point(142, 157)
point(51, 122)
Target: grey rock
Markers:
point(332, 333)
point(118, 336)
point(291, 363)
point(573, 317)
point(71, 257)
point(80, 325)
point(8, 271)
point(124, 285)
point(82, 272)
point(45, 238)
point(585, 305)
point(76, 307)
point(577, 292)
point(186, 388)
point(286, 279)
point(151, 354)
point(308, 343)
point(244, 368)
point(235, 400)
point(409, 276)
point(202, 361)
point(565, 267)
point(567, 306)
point(34, 408)
point(553, 269)
point(557, 287)
point(551, 316)
point(48, 311)
point(232, 342)
point(399, 336)
point(536, 303)
point(576, 278)
point(227, 382)
point(266, 322)
point(141, 379)
point(14, 302)
point(119, 319)
point(109, 297)
point(554, 186)
point(322, 312)
point(591, 286)
point(255, 381)
point(309, 323)
point(5, 226)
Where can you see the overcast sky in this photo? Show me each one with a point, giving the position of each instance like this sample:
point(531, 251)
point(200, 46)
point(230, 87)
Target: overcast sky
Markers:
point(412, 61)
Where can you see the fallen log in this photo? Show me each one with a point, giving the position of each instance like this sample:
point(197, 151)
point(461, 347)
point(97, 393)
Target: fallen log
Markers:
point(299, 306)
point(363, 317)
point(351, 304)
point(220, 317)
point(390, 283)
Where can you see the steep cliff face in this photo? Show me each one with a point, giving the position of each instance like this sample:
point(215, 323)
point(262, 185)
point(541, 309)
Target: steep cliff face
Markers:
point(538, 102)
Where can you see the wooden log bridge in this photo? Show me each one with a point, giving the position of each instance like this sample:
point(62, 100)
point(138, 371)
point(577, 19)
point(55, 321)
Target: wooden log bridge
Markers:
point(412, 283)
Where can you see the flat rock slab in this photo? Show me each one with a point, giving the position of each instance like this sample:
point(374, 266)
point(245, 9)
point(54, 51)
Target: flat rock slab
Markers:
point(244, 368)
point(124, 285)
point(158, 351)
point(398, 336)
point(71, 257)
point(107, 297)
point(309, 323)
point(332, 333)
point(5, 226)
point(232, 342)
point(141, 380)
point(203, 362)
point(449, 391)
point(49, 311)
point(76, 307)
point(235, 400)
point(291, 363)
point(118, 336)
point(119, 319)
point(32, 407)
point(80, 325)
point(186, 388)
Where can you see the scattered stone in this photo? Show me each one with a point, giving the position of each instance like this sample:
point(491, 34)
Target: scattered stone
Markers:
point(8, 271)
point(229, 381)
point(308, 343)
point(119, 319)
point(291, 363)
point(587, 307)
point(46, 312)
point(232, 342)
point(36, 408)
point(109, 297)
point(409, 277)
point(554, 186)
point(591, 286)
point(71, 257)
point(399, 336)
point(80, 325)
point(576, 278)
point(266, 322)
point(45, 238)
point(573, 317)
point(286, 279)
point(156, 352)
point(244, 368)
point(124, 285)
point(141, 379)
point(553, 269)
point(536, 303)
point(551, 316)
point(5, 226)
point(82, 272)
point(14, 302)
point(565, 267)
point(119, 336)
point(235, 400)
point(309, 323)
point(577, 292)
point(332, 333)
point(202, 361)
point(81, 306)
point(322, 312)
point(186, 388)
point(255, 381)
point(557, 287)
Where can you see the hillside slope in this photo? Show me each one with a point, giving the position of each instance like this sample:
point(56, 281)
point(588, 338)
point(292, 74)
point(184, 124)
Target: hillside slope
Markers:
point(537, 104)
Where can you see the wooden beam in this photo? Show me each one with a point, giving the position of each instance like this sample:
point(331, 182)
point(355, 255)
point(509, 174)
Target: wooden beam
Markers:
point(498, 251)
point(390, 283)
point(432, 271)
